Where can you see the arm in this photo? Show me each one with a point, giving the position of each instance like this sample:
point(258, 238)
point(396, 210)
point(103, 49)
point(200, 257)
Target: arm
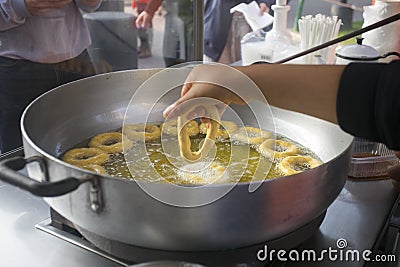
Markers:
point(363, 98)
point(152, 6)
point(309, 89)
point(369, 102)
point(12, 14)
point(265, 6)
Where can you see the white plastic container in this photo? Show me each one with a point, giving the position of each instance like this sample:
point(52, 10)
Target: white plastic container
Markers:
point(370, 159)
point(274, 45)
point(253, 48)
point(386, 38)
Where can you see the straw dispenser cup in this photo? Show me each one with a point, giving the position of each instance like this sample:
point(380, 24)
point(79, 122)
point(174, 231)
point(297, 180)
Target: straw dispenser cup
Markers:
point(316, 30)
point(252, 43)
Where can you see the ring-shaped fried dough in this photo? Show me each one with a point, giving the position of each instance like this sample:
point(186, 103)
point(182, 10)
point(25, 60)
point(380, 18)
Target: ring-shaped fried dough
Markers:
point(206, 176)
point(94, 168)
point(296, 164)
point(85, 156)
point(171, 127)
point(137, 132)
point(251, 135)
point(111, 142)
point(226, 129)
point(209, 140)
point(277, 149)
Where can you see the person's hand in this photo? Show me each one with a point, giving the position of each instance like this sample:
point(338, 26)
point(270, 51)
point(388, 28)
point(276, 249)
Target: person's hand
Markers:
point(143, 20)
point(263, 8)
point(394, 173)
point(41, 7)
point(91, 2)
point(194, 87)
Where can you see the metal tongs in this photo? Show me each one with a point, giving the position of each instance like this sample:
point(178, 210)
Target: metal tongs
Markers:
point(337, 40)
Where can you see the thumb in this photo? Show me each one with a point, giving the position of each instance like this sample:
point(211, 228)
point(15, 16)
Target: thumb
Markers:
point(185, 88)
point(394, 172)
point(172, 110)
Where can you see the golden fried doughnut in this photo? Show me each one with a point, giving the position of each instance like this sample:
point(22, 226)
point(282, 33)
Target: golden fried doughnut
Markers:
point(110, 142)
point(209, 141)
point(226, 129)
point(296, 164)
point(85, 156)
point(205, 176)
point(147, 132)
point(251, 135)
point(94, 168)
point(171, 127)
point(277, 149)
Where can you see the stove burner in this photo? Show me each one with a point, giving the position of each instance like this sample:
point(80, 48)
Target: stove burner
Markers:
point(126, 254)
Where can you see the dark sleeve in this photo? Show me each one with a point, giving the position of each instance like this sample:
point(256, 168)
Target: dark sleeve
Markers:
point(368, 102)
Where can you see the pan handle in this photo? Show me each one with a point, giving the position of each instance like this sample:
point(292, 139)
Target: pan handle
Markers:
point(9, 173)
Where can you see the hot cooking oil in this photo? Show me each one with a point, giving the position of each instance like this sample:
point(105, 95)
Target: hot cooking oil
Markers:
point(242, 169)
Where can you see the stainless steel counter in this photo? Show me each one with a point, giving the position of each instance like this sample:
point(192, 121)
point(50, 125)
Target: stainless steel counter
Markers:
point(357, 215)
point(21, 244)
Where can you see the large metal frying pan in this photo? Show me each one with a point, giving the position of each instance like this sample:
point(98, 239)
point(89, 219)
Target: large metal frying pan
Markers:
point(118, 209)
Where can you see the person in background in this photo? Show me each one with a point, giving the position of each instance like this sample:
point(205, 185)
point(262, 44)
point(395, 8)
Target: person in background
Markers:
point(42, 45)
point(178, 44)
point(178, 36)
point(364, 99)
point(145, 33)
point(223, 31)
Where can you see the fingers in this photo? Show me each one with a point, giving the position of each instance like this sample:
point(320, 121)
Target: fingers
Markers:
point(40, 7)
point(186, 87)
point(394, 175)
point(206, 81)
point(139, 21)
point(143, 20)
point(263, 9)
point(168, 111)
point(199, 111)
point(51, 4)
point(173, 110)
point(194, 90)
point(91, 2)
point(394, 172)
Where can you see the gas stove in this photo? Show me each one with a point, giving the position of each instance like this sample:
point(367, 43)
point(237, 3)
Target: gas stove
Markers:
point(364, 217)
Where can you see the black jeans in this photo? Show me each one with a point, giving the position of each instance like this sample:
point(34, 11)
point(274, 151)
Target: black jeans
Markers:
point(21, 81)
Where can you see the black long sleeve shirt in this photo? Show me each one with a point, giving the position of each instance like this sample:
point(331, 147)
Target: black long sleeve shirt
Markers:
point(368, 102)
